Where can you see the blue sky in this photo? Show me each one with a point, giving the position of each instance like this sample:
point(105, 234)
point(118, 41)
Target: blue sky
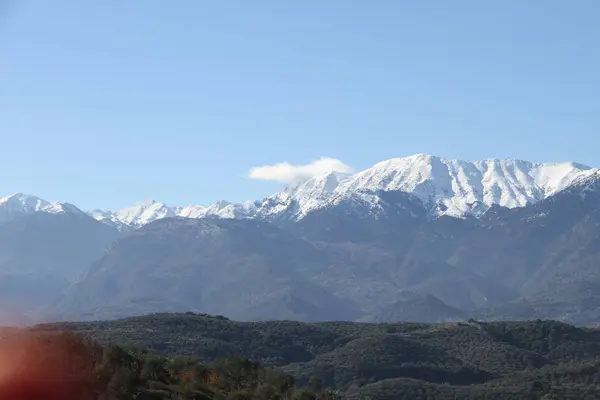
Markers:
point(106, 103)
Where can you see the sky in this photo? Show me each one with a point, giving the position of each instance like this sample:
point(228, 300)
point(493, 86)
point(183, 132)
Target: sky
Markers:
point(107, 103)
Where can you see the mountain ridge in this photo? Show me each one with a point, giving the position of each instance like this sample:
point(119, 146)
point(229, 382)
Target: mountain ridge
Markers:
point(443, 186)
point(20, 204)
point(342, 262)
point(334, 246)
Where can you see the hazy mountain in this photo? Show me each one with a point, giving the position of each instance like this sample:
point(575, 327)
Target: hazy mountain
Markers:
point(241, 268)
point(248, 269)
point(41, 254)
point(412, 307)
point(335, 247)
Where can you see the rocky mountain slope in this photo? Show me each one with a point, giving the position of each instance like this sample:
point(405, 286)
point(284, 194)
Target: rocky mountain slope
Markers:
point(495, 239)
point(313, 270)
point(245, 269)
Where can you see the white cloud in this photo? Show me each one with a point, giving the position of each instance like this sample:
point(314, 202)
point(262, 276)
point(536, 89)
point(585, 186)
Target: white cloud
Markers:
point(289, 173)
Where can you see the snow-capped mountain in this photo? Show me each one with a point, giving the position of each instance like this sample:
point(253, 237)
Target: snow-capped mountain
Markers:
point(221, 209)
point(442, 186)
point(20, 204)
point(151, 210)
point(137, 215)
point(356, 239)
point(445, 187)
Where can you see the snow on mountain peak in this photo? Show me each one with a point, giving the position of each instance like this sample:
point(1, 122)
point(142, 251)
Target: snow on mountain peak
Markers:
point(443, 186)
point(144, 213)
point(24, 201)
point(150, 210)
point(192, 211)
point(225, 209)
point(300, 198)
point(20, 204)
point(458, 185)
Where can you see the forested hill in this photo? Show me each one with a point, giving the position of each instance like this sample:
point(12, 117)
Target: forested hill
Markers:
point(494, 360)
point(66, 366)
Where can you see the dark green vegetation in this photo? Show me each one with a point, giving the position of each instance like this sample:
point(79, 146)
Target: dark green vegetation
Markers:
point(468, 360)
point(65, 366)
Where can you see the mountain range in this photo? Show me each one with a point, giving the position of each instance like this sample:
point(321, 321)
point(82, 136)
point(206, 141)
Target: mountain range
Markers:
point(416, 238)
point(444, 187)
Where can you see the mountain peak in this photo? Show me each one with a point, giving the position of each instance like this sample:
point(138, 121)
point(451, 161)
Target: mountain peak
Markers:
point(420, 157)
point(22, 198)
point(147, 203)
point(443, 186)
point(402, 162)
point(18, 195)
point(19, 204)
point(144, 213)
point(221, 203)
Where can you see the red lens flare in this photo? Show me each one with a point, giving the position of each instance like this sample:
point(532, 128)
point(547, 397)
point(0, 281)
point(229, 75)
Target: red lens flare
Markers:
point(57, 367)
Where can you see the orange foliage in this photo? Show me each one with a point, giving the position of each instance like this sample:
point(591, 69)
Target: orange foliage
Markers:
point(213, 379)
